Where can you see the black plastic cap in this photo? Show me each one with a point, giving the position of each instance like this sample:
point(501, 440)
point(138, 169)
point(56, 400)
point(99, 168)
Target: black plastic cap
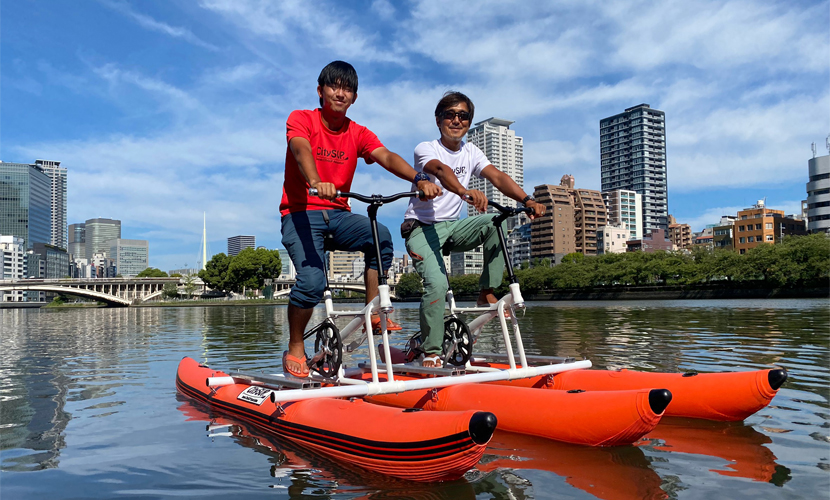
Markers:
point(777, 378)
point(482, 426)
point(659, 399)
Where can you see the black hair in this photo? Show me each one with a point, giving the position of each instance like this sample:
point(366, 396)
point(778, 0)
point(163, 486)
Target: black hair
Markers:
point(338, 74)
point(452, 98)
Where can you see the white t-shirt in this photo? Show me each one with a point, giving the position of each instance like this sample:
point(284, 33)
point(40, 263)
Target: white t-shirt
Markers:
point(465, 162)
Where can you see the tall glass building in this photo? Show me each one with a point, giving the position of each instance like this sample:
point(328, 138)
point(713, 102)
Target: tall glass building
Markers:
point(633, 158)
point(130, 256)
point(77, 241)
point(99, 234)
point(25, 203)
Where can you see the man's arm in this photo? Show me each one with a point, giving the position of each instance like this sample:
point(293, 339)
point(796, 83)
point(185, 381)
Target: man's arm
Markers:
point(508, 186)
point(301, 149)
point(398, 166)
point(448, 179)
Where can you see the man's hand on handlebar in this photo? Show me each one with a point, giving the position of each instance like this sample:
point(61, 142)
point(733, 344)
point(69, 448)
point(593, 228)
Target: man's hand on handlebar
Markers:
point(325, 190)
point(538, 208)
point(476, 198)
point(430, 189)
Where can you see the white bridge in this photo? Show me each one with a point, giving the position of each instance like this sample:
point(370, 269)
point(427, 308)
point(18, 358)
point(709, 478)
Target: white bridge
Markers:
point(128, 291)
point(113, 291)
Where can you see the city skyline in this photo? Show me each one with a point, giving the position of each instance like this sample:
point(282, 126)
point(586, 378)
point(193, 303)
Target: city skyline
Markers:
point(166, 110)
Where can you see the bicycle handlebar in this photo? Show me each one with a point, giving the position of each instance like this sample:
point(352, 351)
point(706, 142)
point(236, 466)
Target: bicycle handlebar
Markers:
point(375, 198)
point(508, 210)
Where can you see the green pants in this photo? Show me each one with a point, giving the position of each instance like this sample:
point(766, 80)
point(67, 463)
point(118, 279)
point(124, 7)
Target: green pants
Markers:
point(424, 245)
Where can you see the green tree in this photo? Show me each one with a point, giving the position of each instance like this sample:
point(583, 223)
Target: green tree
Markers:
point(409, 285)
point(215, 273)
point(170, 291)
point(250, 268)
point(189, 284)
point(151, 272)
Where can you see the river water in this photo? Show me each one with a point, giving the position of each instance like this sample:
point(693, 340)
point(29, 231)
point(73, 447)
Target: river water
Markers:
point(89, 408)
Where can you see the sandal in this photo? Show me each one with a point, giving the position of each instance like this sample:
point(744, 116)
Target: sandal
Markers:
point(294, 373)
point(432, 361)
point(391, 326)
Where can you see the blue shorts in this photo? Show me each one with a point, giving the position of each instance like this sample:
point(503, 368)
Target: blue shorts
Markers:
point(302, 237)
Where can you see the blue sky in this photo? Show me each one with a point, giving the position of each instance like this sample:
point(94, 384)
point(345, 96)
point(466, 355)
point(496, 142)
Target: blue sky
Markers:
point(163, 110)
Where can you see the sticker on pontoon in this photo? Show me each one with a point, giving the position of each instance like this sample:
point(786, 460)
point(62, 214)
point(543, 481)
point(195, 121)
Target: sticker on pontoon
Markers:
point(254, 394)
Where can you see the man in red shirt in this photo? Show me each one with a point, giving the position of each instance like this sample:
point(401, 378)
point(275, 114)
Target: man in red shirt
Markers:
point(323, 147)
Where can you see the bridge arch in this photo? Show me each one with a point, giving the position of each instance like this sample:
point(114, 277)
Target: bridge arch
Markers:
point(64, 290)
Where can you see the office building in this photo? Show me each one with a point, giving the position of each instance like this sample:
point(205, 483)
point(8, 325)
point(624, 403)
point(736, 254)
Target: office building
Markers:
point(288, 272)
point(625, 207)
point(103, 266)
point(341, 264)
point(471, 262)
point(759, 224)
point(129, 256)
point(57, 191)
point(52, 261)
point(25, 204)
point(13, 259)
point(571, 221)
point(99, 234)
point(633, 157)
point(77, 241)
point(518, 245)
point(612, 239)
point(818, 194)
point(504, 149)
point(237, 243)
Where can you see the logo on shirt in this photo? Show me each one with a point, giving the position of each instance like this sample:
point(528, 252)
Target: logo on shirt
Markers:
point(334, 155)
point(461, 170)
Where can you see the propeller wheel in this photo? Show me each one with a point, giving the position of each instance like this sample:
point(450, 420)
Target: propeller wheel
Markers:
point(327, 341)
point(458, 342)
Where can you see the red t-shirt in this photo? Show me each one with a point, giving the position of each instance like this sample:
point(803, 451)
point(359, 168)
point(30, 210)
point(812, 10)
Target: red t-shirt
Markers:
point(335, 154)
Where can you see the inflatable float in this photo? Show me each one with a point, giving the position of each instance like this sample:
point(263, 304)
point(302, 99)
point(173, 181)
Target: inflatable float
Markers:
point(594, 418)
point(728, 397)
point(435, 446)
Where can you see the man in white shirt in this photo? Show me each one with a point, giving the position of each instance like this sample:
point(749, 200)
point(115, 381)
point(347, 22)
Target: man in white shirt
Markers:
point(433, 225)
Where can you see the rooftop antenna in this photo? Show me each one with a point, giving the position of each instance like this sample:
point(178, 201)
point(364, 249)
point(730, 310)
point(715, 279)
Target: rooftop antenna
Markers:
point(813, 147)
point(204, 240)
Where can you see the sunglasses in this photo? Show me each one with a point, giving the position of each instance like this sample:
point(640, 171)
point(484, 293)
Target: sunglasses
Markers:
point(450, 115)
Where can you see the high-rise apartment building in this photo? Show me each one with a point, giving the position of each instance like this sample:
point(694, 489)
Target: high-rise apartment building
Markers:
point(57, 178)
point(571, 221)
point(341, 264)
point(625, 207)
point(25, 207)
point(471, 262)
point(77, 241)
point(504, 149)
point(633, 157)
point(237, 243)
point(99, 232)
point(818, 194)
point(130, 256)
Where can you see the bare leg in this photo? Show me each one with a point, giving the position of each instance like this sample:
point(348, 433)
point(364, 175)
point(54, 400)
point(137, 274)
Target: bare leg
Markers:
point(370, 278)
point(485, 297)
point(297, 321)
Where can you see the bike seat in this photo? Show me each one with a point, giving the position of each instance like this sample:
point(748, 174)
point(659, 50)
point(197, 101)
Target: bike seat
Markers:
point(448, 245)
point(328, 243)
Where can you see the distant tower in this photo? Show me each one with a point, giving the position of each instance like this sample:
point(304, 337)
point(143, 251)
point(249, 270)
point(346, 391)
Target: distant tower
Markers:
point(77, 241)
point(57, 177)
point(237, 243)
point(99, 234)
point(25, 206)
point(633, 158)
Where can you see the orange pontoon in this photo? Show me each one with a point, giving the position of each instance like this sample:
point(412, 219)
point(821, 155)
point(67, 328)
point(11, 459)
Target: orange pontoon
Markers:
point(413, 445)
point(730, 397)
point(595, 418)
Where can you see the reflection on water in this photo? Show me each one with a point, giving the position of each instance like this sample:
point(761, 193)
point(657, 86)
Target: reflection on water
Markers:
point(88, 398)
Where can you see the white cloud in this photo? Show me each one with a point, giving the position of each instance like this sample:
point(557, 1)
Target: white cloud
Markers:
point(149, 23)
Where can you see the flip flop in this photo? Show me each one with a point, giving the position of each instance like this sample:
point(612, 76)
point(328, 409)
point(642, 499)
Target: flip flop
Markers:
point(391, 326)
point(301, 361)
point(432, 361)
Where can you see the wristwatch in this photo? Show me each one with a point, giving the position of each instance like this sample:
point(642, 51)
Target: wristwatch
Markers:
point(420, 176)
point(527, 198)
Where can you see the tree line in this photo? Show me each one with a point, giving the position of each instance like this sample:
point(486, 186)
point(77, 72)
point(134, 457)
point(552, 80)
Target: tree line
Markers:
point(247, 270)
point(797, 261)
